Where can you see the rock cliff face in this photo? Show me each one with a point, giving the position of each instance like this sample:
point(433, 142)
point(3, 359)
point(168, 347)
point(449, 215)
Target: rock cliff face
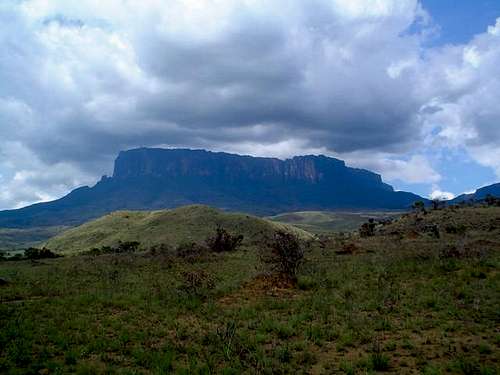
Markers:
point(164, 178)
point(182, 163)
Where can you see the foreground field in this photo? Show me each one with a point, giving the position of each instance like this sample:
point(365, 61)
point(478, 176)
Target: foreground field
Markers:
point(402, 301)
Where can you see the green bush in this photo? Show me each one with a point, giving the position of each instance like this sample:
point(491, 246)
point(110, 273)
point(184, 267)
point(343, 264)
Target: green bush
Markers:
point(223, 241)
point(368, 229)
point(127, 247)
point(286, 254)
point(121, 248)
point(196, 283)
point(34, 253)
point(191, 251)
point(379, 362)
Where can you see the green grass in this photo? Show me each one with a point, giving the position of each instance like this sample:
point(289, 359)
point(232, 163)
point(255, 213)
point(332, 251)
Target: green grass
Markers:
point(185, 224)
point(11, 239)
point(394, 306)
point(330, 221)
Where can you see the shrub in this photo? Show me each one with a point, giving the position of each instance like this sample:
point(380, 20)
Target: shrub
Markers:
point(122, 248)
point(492, 201)
point(226, 335)
point(196, 283)
point(286, 255)
point(485, 349)
point(432, 229)
point(450, 252)
point(462, 250)
point(438, 204)
point(223, 241)
point(379, 362)
point(34, 253)
point(306, 283)
point(160, 249)
point(347, 249)
point(367, 229)
point(191, 251)
point(455, 229)
point(467, 366)
point(419, 206)
point(99, 251)
point(127, 247)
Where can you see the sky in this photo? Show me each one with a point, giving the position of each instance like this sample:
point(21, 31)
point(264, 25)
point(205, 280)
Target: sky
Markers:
point(409, 89)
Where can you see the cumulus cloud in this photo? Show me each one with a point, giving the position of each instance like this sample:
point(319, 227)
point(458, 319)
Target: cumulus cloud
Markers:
point(84, 80)
point(441, 195)
point(24, 178)
point(415, 170)
point(467, 87)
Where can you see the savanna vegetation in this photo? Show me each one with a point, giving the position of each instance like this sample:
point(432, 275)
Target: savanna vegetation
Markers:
point(416, 295)
point(15, 238)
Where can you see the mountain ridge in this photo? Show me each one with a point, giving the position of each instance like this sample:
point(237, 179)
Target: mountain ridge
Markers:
point(155, 178)
point(479, 194)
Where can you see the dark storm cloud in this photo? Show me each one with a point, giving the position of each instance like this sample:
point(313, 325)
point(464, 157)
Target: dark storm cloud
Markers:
point(83, 81)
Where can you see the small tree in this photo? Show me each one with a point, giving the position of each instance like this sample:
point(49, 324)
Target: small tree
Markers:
point(368, 229)
point(287, 254)
point(191, 251)
point(437, 203)
point(127, 247)
point(34, 254)
point(196, 283)
point(418, 206)
point(223, 241)
point(491, 200)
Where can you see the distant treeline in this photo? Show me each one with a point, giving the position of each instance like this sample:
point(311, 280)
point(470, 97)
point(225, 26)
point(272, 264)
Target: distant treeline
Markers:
point(31, 253)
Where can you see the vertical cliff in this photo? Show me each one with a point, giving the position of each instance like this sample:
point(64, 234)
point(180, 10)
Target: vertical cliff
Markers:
point(163, 178)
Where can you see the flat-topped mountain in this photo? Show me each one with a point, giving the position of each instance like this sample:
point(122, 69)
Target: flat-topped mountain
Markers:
point(150, 179)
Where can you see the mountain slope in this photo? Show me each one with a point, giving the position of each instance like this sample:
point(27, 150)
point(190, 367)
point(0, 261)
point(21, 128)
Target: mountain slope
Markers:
point(150, 179)
point(189, 223)
point(480, 194)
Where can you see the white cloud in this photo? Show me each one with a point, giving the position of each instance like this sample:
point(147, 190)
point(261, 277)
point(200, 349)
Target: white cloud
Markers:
point(26, 179)
point(467, 81)
point(83, 80)
point(441, 195)
point(495, 30)
point(487, 155)
point(415, 170)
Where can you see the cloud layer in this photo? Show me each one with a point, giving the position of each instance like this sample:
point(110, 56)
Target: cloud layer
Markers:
point(83, 80)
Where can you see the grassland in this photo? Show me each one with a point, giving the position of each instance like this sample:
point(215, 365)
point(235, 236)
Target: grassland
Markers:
point(185, 224)
point(321, 222)
point(11, 238)
point(402, 302)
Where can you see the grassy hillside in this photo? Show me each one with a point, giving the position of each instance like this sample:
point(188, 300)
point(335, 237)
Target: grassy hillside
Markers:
point(330, 221)
point(474, 222)
point(189, 223)
point(22, 238)
point(404, 301)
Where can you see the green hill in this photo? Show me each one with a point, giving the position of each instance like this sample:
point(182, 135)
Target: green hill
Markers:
point(189, 223)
